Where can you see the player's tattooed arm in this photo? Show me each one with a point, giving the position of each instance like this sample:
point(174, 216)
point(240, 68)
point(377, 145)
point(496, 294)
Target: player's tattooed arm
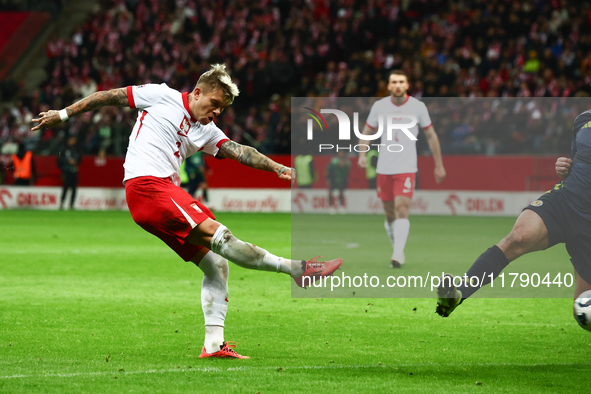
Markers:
point(253, 158)
point(113, 97)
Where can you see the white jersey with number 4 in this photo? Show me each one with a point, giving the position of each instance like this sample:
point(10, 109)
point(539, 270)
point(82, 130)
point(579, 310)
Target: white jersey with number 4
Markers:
point(393, 161)
point(165, 133)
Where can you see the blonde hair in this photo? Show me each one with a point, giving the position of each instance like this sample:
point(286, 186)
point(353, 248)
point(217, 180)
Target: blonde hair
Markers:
point(218, 78)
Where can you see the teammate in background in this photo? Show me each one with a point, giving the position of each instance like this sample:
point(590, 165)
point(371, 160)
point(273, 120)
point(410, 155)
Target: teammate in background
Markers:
point(397, 167)
point(194, 170)
point(170, 127)
point(371, 173)
point(24, 166)
point(68, 161)
point(337, 177)
point(304, 166)
point(561, 215)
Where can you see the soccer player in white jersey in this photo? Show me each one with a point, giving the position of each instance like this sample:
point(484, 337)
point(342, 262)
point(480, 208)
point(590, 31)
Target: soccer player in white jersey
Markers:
point(170, 127)
point(397, 160)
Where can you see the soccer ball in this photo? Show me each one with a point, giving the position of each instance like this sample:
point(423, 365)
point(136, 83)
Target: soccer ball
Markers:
point(583, 310)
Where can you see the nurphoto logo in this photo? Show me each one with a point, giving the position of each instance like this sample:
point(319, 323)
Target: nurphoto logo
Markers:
point(402, 122)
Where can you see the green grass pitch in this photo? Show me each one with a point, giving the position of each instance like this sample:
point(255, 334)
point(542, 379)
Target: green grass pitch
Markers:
point(90, 303)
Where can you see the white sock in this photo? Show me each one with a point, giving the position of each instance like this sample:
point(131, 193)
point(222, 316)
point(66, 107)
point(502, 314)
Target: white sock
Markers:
point(389, 230)
point(297, 268)
point(214, 338)
point(214, 299)
point(251, 256)
point(401, 228)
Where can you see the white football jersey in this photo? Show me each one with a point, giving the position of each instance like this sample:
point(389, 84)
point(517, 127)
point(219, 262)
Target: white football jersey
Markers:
point(394, 161)
point(165, 133)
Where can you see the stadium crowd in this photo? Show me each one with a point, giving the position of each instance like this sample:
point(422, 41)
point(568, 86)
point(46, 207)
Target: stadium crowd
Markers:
point(277, 49)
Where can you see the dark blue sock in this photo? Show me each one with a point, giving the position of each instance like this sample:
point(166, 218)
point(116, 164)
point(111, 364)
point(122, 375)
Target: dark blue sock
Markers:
point(492, 261)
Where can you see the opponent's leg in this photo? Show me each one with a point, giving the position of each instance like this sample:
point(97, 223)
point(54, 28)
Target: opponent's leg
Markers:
point(401, 227)
point(529, 234)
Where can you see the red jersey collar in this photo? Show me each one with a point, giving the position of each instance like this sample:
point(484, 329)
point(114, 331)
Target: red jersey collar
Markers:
point(186, 104)
point(399, 105)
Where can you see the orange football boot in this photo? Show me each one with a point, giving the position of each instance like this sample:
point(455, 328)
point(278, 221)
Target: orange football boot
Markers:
point(319, 269)
point(227, 351)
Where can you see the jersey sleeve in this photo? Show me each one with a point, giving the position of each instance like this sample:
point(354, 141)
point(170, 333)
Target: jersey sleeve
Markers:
point(145, 96)
point(217, 138)
point(372, 118)
point(424, 118)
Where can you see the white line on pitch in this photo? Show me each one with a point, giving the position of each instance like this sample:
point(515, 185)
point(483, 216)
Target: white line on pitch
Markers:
point(302, 367)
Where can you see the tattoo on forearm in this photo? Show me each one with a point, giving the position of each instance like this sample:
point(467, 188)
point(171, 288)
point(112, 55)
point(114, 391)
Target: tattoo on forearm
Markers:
point(248, 156)
point(113, 97)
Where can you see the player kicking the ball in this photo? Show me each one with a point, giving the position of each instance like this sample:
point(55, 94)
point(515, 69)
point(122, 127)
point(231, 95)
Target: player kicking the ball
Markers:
point(561, 215)
point(170, 127)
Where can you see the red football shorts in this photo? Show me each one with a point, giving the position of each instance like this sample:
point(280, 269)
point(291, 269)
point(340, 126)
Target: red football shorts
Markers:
point(167, 211)
point(391, 186)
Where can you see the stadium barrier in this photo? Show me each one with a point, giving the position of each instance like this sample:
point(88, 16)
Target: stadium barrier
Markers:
point(425, 202)
point(250, 200)
point(496, 173)
point(48, 198)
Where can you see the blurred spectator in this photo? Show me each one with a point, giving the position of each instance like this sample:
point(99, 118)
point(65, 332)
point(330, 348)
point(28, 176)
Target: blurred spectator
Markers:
point(68, 161)
point(305, 171)
point(193, 176)
point(301, 48)
point(24, 166)
point(337, 178)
